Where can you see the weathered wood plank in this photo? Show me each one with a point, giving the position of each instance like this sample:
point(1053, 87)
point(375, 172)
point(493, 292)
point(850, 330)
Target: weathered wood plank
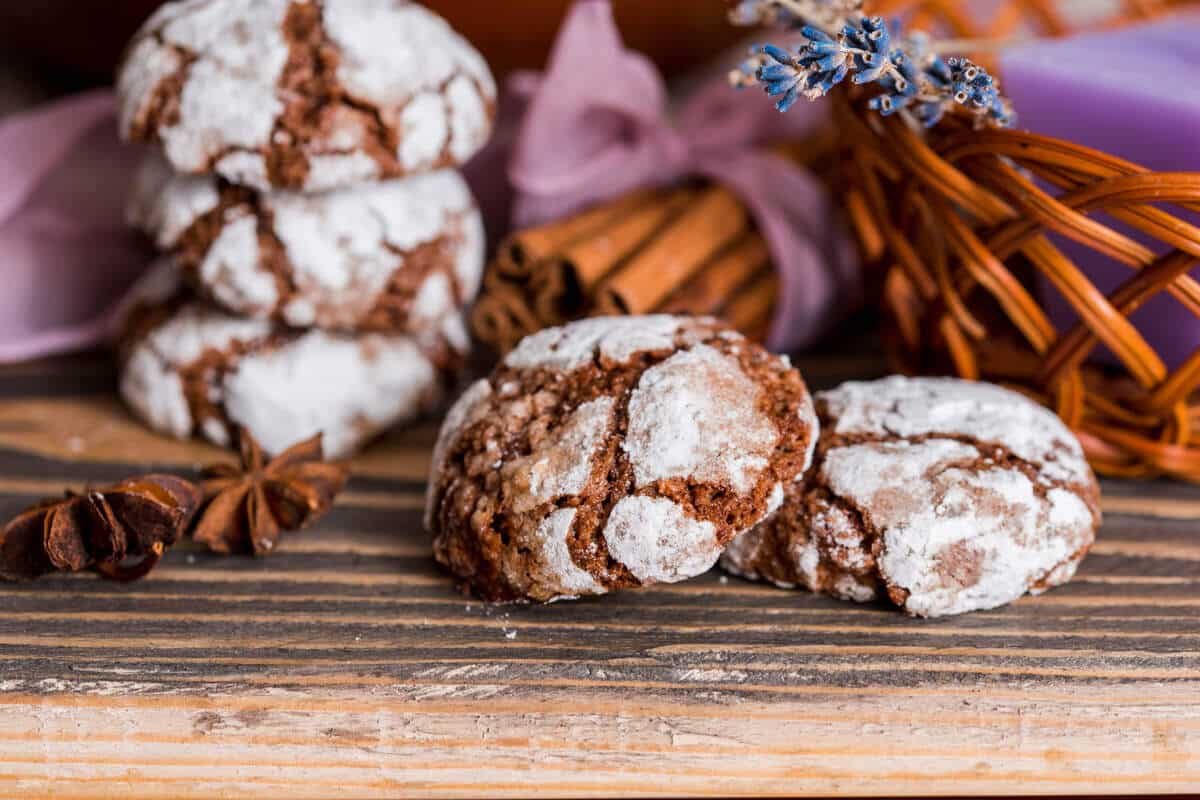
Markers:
point(349, 665)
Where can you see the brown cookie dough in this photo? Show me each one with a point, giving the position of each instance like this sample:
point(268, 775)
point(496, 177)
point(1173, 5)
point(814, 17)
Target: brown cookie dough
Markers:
point(305, 94)
point(614, 452)
point(391, 257)
point(940, 495)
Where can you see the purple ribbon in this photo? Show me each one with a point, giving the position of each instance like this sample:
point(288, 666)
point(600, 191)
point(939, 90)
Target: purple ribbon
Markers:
point(66, 254)
point(597, 125)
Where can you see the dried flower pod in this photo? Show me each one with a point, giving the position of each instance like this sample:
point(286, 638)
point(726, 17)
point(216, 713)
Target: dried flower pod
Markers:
point(100, 529)
point(248, 506)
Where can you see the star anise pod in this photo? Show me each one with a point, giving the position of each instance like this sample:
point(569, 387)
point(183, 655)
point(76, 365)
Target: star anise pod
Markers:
point(249, 506)
point(104, 529)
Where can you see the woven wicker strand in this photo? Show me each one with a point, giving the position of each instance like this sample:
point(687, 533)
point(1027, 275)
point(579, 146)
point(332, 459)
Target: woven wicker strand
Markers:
point(957, 223)
point(1016, 17)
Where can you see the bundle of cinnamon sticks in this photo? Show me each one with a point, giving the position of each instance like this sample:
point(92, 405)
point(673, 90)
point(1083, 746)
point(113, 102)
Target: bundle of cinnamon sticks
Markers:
point(689, 250)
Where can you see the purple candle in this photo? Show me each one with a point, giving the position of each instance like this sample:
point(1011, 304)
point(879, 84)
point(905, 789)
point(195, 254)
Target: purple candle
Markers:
point(1133, 93)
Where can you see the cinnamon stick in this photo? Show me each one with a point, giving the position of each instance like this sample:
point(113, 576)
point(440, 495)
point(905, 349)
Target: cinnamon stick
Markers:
point(522, 251)
point(562, 286)
point(501, 317)
point(710, 289)
point(750, 309)
point(710, 223)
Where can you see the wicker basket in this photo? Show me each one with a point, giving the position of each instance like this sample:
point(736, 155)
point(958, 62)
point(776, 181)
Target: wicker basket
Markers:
point(1038, 17)
point(956, 226)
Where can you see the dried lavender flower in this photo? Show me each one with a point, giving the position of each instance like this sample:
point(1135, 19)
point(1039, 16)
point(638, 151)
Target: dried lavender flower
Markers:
point(840, 44)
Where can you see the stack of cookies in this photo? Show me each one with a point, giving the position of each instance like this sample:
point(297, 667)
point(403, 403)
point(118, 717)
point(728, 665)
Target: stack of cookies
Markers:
point(319, 245)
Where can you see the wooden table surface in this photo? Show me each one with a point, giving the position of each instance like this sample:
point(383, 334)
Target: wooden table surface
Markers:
point(348, 664)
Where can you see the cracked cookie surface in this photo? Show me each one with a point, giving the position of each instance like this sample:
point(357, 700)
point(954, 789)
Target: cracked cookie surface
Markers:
point(943, 496)
point(305, 94)
point(189, 368)
point(614, 452)
point(391, 257)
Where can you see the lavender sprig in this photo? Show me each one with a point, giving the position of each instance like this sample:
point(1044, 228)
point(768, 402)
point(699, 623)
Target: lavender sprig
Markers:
point(916, 81)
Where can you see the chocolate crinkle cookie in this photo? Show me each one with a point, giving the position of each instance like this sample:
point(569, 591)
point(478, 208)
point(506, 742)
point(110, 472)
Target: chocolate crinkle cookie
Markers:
point(612, 453)
point(393, 256)
point(190, 368)
point(305, 94)
point(941, 495)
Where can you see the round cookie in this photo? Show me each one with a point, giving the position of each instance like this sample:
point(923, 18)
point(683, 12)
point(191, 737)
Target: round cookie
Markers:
point(305, 94)
point(389, 257)
point(944, 496)
point(614, 452)
point(189, 368)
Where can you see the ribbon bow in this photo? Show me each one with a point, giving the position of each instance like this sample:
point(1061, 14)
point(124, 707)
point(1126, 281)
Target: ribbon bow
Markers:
point(597, 126)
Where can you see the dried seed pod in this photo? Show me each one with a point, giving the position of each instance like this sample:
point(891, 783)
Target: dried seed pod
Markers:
point(249, 506)
point(101, 529)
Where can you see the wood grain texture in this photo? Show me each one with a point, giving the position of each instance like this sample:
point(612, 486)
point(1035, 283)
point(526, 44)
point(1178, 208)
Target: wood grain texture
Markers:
point(348, 665)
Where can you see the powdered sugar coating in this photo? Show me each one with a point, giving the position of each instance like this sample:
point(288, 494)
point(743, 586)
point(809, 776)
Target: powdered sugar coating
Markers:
point(209, 80)
point(394, 52)
point(469, 115)
point(232, 53)
point(150, 380)
point(164, 206)
point(696, 415)
point(341, 254)
point(230, 269)
point(741, 556)
point(200, 370)
point(554, 567)
point(334, 171)
point(777, 498)
point(956, 539)
point(346, 246)
point(911, 407)
point(425, 128)
point(351, 389)
point(1005, 550)
point(561, 464)
point(147, 66)
point(658, 542)
point(667, 437)
point(614, 338)
point(944, 495)
point(808, 413)
point(244, 169)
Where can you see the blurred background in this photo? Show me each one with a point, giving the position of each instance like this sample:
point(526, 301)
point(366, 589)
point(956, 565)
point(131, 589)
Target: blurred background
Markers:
point(77, 43)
